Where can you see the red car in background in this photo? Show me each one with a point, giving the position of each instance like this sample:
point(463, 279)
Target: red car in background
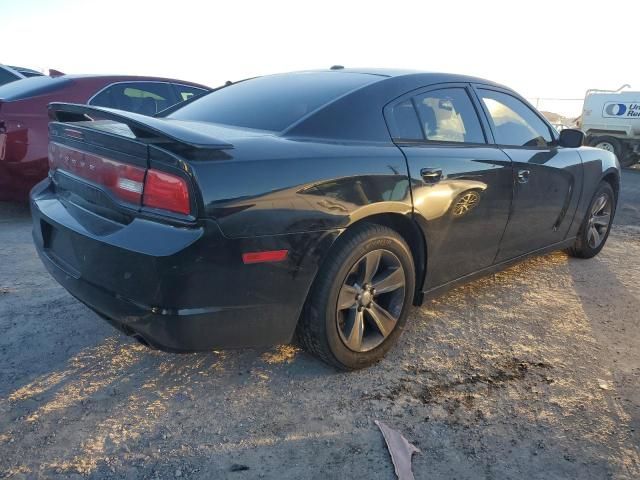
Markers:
point(24, 118)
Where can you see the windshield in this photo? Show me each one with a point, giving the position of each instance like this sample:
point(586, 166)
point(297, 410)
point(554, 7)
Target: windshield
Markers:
point(31, 87)
point(273, 102)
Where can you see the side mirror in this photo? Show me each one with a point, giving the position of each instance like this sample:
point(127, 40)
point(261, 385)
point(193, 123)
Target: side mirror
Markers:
point(571, 138)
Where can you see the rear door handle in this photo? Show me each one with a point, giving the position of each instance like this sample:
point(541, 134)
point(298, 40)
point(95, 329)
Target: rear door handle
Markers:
point(431, 175)
point(523, 176)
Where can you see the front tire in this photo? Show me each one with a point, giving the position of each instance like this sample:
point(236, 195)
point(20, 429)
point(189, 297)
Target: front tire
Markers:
point(596, 225)
point(359, 303)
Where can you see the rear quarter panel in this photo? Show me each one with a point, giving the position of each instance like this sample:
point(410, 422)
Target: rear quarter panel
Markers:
point(273, 185)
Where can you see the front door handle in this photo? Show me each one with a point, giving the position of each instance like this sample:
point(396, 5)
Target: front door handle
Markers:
point(523, 176)
point(431, 175)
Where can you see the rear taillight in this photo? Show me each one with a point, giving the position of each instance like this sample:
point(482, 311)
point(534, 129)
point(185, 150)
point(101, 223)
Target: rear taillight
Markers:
point(167, 192)
point(136, 185)
point(125, 181)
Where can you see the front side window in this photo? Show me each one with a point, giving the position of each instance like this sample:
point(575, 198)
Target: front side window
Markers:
point(445, 115)
point(514, 123)
point(146, 98)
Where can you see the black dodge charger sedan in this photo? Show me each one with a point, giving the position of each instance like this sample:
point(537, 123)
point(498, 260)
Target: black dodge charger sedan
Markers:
point(319, 203)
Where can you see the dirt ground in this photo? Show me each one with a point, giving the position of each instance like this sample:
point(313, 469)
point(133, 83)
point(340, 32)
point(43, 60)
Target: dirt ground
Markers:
point(530, 373)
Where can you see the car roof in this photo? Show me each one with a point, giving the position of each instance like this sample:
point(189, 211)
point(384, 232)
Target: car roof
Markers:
point(356, 116)
point(423, 76)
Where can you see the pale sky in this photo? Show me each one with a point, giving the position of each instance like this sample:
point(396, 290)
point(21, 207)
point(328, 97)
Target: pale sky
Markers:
point(540, 48)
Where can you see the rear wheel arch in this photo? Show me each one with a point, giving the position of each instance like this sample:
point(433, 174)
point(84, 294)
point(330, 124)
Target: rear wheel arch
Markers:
point(324, 320)
point(408, 230)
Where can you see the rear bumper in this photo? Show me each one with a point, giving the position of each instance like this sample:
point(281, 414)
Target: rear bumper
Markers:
point(179, 289)
point(179, 330)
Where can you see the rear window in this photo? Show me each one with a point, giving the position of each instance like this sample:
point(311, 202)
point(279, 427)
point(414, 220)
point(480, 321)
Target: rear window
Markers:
point(273, 102)
point(31, 87)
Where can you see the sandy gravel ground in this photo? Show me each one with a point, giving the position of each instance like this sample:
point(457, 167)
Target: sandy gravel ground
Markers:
point(530, 373)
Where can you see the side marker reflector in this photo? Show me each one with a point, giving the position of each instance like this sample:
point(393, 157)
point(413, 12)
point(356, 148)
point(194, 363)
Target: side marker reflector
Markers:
point(263, 257)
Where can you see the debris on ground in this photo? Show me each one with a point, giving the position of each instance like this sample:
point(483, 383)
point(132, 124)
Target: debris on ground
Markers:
point(400, 450)
point(604, 385)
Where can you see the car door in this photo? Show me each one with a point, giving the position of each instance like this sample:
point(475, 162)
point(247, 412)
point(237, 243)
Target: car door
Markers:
point(146, 98)
point(461, 183)
point(546, 177)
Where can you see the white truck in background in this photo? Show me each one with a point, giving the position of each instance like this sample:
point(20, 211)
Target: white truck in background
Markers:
point(611, 121)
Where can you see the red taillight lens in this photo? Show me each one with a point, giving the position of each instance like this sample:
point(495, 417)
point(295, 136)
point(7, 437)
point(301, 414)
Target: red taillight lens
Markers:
point(167, 192)
point(125, 181)
point(137, 185)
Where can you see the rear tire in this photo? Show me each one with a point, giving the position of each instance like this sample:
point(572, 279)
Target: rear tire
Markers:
point(374, 265)
point(593, 232)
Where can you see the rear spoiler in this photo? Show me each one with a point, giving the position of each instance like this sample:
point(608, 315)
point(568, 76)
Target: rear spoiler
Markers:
point(142, 126)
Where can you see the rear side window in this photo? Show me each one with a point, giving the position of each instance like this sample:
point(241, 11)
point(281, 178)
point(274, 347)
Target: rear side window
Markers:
point(445, 115)
point(32, 87)
point(146, 98)
point(273, 102)
point(185, 92)
point(514, 123)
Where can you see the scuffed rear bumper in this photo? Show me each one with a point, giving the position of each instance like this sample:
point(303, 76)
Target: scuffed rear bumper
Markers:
point(178, 289)
point(180, 330)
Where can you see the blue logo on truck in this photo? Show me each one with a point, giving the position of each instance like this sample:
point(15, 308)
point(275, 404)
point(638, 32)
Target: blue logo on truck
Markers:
point(625, 110)
point(616, 109)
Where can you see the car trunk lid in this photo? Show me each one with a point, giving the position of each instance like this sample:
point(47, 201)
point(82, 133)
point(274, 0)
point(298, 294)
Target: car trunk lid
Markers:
point(121, 164)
